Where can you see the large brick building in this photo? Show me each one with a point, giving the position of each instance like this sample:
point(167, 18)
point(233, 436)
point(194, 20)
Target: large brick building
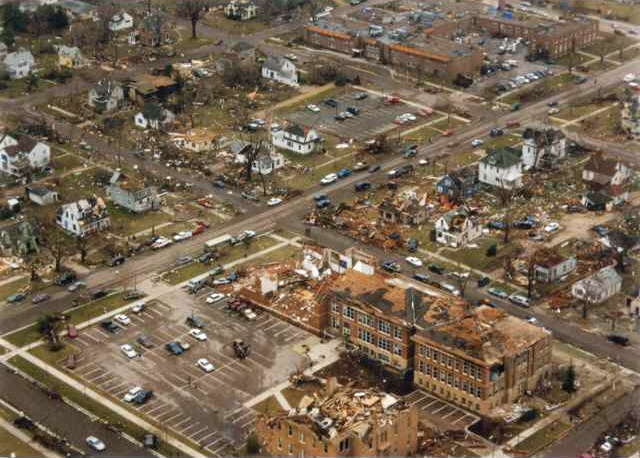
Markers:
point(481, 359)
point(342, 422)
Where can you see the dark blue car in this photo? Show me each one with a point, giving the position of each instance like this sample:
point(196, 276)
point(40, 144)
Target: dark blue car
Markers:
point(343, 173)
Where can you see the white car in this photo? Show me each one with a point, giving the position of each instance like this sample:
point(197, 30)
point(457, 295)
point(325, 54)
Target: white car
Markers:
point(519, 299)
point(476, 142)
point(331, 178)
point(76, 285)
point(274, 201)
point(128, 351)
point(161, 243)
point(460, 275)
point(249, 314)
point(184, 235)
point(629, 77)
point(205, 365)
point(216, 297)
point(198, 335)
point(313, 108)
point(553, 111)
point(221, 281)
point(247, 235)
point(123, 319)
point(450, 288)
point(414, 261)
point(532, 320)
point(132, 393)
point(423, 162)
point(138, 307)
point(96, 444)
point(551, 227)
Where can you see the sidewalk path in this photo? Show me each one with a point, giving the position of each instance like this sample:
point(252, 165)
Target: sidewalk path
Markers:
point(4, 424)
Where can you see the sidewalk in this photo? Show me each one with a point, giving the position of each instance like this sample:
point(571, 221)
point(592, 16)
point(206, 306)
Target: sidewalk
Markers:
point(4, 424)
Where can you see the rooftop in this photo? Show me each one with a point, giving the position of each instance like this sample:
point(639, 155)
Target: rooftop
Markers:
point(502, 158)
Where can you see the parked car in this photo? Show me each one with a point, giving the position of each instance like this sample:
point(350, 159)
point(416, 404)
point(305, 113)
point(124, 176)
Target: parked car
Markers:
point(353, 110)
point(519, 299)
point(205, 365)
point(374, 168)
point(123, 319)
point(138, 307)
point(411, 245)
point(484, 281)
point(174, 348)
point(343, 173)
point(421, 278)
point(331, 178)
point(110, 327)
point(616, 339)
point(128, 351)
point(360, 95)
point(313, 108)
point(498, 293)
point(132, 393)
point(96, 444)
point(362, 186)
point(39, 298)
point(476, 142)
point(65, 278)
point(144, 340)
point(274, 201)
point(75, 286)
point(143, 397)
point(450, 288)
point(496, 132)
point(198, 334)
point(215, 297)
point(182, 260)
point(331, 103)
point(15, 298)
point(249, 196)
point(391, 266)
point(117, 260)
point(551, 227)
point(360, 166)
point(416, 262)
point(195, 322)
point(320, 204)
point(249, 314)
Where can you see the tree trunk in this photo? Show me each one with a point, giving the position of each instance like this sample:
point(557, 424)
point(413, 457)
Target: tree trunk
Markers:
point(194, 23)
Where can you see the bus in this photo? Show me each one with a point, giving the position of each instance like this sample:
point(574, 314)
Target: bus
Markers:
point(223, 240)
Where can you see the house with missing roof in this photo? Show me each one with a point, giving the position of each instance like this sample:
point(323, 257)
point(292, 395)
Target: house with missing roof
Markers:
point(609, 177)
point(296, 138)
point(554, 267)
point(281, 70)
point(84, 217)
point(152, 32)
point(598, 287)
point(457, 227)
point(135, 197)
point(22, 155)
point(459, 184)
point(241, 54)
point(197, 140)
point(70, 57)
point(542, 146)
point(19, 63)
point(501, 168)
point(120, 21)
point(240, 10)
point(107, 95)
point(407, 211)
point(153, 116)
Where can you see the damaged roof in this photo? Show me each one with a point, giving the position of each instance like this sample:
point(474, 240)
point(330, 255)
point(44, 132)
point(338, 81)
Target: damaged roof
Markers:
point(502, 158)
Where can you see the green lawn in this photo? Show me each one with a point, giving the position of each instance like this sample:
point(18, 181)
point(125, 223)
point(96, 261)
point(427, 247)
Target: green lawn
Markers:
point(78, 185)
point(78, 315)
point(13, 287)
point(573, 112)
point(89, 404)
point(446, 124)
point(476, 257)
point(422, 135)
point(501, 141)
point(229, 255)
point(286, 253)
point(128, 223)
point(544, 437)
point(12, 446)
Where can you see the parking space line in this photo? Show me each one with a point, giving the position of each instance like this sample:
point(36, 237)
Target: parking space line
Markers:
point(108, 374)
point(122, 391)
point(208, 436)
point(255, 353)
point(234, 412)
point(281, 332)
point(439, 409)
point(137, 318)
point(198, 432)
point(244, 415)
point(430, 404)
point(449, 414)
point(158, 408)
point(181, 422)
point(278, 322)
point(99, 370)
point(208, 446)
point(162, 305)
point(182, 430)
point(218, 449)
point(169, 418)
point(101, 333)
point(244, 425)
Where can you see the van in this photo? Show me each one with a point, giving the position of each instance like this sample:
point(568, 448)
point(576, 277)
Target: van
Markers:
point(519, 299)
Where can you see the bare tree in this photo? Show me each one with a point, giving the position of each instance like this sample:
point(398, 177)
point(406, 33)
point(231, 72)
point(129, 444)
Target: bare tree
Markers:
point(192, 10)
point(505, 194)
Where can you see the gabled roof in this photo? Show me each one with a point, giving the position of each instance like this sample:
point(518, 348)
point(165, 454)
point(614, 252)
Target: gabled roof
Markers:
point(276, 63)
point(601, 165)
point(152, 111)
point(25, 145)
point(41, 191)
point(502, 158)
point(542, 137)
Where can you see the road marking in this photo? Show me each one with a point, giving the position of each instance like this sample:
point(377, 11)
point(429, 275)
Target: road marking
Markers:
point(168, 419)
point(234, 412)
point(207, 437)
point(180, 423)
point(244, 425)
point(198, 432)
point(277, 323)
point(449, 414)
point(244, 415)
point(183, 431)
point(218, 449)
point(430, 404)
point(439, 409)
point(160, 407)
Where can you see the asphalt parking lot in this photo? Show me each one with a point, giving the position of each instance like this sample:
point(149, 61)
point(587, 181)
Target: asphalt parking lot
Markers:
point(439, 412)
point(375, 117)
point(207, 408)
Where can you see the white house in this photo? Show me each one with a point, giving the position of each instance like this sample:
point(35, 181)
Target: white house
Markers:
point(19, 63)
point(501, 168)
point(42, 195)
point(240, 10)
point(542, 145)
point(296, 138)
point(106, 96)
point(120, 21)
point(281, 70)
point(598, 287)
point(135, 197)
point(20, 156)
point(153, 116)
point(608, 176)
point(554, 267)
point(457, 227)
point(70, 57)
point(264, 163)
point(198, 140)
point(84, 217)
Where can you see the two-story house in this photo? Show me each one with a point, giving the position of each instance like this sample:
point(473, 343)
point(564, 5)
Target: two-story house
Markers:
point(152, 32)
point(542, 146)
point(501, 168)
point(19, 157)
point(84, 217)
point(608, 176)
point(457, 227)
point(405, 211)
point(296, 138)
point(459, 184)
point(240, 10)
point(281, 70)
point(106, 96)
point(137, 198)
point(19, 63)
point(598, 287)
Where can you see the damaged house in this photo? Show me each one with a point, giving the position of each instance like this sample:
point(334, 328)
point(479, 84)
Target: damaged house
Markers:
point(153, 31)
point(458, 185)
point(406, 211)
point(106, 96)
point(153, 116)
point(457, 227)
point(598, 287)
point(240, 10)
point(501, 168)
point(134, 196)
point(84, 217)
point(22, 155)
point(480, 358)
point(281, 70)
point(542, 146)
point(608, 177)
point(553, 267)
point(342, 422)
